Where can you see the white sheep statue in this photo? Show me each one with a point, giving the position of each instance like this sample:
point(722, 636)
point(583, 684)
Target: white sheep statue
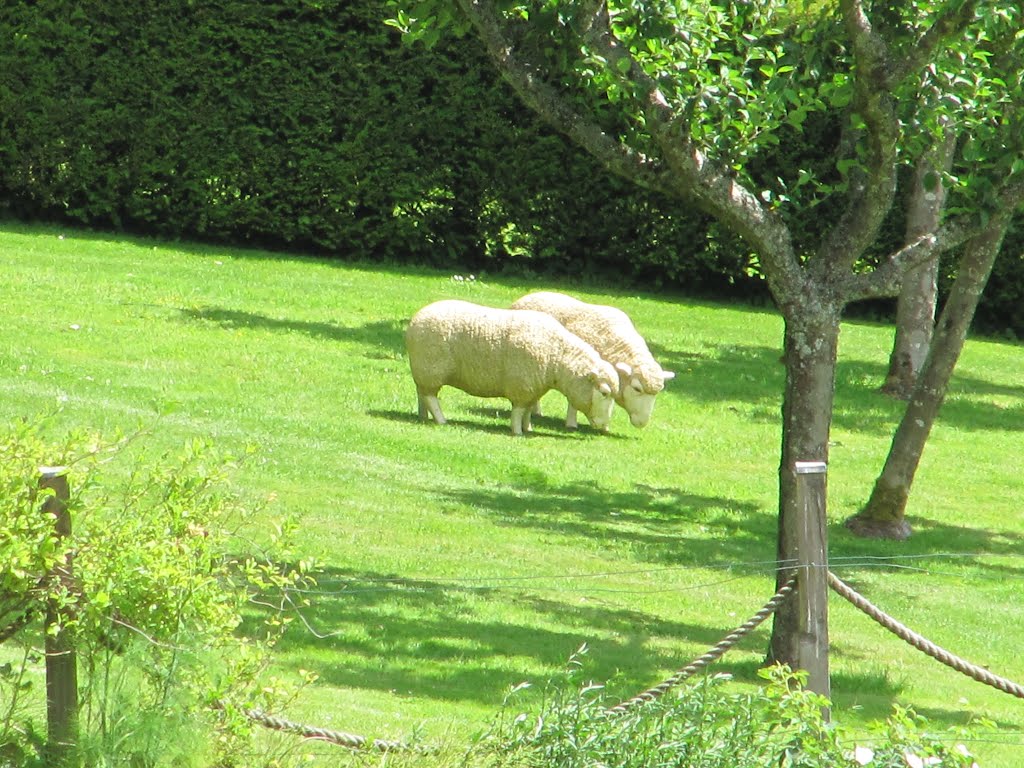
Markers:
point(610, 331)
point(518, 355)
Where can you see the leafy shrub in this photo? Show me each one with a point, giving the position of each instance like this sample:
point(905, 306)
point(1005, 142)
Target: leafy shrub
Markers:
point(703, 724)
point(28, 544)
point(159, 592)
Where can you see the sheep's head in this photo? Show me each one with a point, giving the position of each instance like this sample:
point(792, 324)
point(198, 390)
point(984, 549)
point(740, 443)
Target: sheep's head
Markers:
point(598, 399)
point(637, 390)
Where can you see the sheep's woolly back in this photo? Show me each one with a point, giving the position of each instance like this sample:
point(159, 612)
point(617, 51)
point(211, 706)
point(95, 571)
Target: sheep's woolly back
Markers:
point(492, 352)
point(608, 329)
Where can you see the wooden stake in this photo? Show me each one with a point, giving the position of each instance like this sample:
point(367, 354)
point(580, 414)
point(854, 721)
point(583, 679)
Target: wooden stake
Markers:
point(61, 661)
point(812, 575)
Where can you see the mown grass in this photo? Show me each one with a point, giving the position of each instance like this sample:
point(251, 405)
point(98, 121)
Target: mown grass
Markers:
point(459, 561)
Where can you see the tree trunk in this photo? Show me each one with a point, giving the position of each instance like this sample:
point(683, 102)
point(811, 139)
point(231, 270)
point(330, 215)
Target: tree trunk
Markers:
point(884, 514)
point(915, 319)
point(915, 307)
point(811, 343)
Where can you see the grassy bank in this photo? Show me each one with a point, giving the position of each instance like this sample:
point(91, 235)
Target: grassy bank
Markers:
point(459, 561)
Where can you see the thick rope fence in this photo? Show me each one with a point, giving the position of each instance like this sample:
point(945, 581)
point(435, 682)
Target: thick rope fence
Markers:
point(62, 680)
point(980, 674)
point(919, 642)
point(712, 655)
point(342, 739)
point(354, 741)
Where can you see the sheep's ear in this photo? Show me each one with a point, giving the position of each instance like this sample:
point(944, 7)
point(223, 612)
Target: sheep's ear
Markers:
point(624, 369)
point(666, 375)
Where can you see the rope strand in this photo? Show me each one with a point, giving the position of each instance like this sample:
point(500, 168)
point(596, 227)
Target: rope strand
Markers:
point(350, 740)
point(922, 644)
point(712, 655)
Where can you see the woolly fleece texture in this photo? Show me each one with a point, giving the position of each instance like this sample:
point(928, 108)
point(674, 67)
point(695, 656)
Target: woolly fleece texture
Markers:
point(518, 355)
point(611, 332)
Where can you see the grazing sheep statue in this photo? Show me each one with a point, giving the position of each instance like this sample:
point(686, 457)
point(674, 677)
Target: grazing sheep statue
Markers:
point(519, 355)
point(612, 334)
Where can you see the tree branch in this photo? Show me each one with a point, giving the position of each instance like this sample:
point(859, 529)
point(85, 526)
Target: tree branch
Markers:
point(924, 215)
point(712, 187)
point(957, 231)
point(951, 22)
point(525, 79)
point(593, 12)
point(886, 280)
point(873, 191)
point(878, 75)
point(681, 170)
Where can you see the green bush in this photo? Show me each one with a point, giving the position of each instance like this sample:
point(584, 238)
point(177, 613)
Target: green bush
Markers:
point(159, 592)
point(29, 548)
point(704, 724)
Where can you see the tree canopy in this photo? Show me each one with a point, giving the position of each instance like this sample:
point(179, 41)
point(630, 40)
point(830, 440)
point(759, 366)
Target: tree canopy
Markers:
point(685, 97)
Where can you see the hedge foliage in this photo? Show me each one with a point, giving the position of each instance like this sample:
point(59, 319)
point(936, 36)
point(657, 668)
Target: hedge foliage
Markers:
point(307, 125)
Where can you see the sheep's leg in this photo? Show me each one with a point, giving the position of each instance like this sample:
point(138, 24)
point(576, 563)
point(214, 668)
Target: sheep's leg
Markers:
point(430, 404)
point(536, 408)
point(528, 418)
point(570, 418)
point(520, 418)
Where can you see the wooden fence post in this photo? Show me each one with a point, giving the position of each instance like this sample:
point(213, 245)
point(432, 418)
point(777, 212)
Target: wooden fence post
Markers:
point(61, 661)
point(812, 576)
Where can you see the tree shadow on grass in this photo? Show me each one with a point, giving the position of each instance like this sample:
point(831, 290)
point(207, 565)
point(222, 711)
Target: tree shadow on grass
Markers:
point(468, 639)
point(431, 639)
point(385, 335)
point(653, 524)
point(930, 549)
point(755, 375)
point(875, 693)
point(668, 525)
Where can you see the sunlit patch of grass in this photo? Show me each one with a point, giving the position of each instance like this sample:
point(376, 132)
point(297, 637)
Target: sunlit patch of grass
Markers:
point(457, 560)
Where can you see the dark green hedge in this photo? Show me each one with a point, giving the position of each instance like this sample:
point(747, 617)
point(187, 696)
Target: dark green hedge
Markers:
point(237, 120)
point(307, 125)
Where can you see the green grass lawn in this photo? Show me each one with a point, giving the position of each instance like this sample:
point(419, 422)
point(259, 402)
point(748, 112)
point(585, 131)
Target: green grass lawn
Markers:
point(459, 561)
